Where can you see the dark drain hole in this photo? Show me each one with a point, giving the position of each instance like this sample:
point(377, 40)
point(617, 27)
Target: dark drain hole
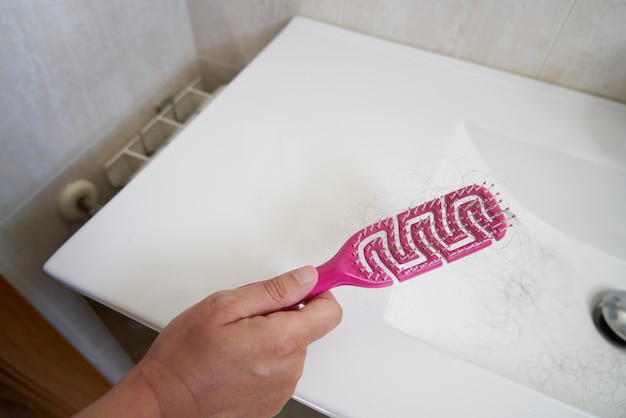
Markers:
point(604, 328)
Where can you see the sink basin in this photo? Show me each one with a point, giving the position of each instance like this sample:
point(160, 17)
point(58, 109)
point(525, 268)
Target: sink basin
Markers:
point(522, 307)
point(328, 131)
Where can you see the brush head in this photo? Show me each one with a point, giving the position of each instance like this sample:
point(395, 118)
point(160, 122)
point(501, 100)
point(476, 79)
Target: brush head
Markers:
point(413, 242)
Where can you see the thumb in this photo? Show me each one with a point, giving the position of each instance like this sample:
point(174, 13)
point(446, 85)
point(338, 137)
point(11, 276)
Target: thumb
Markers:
point(280, 292)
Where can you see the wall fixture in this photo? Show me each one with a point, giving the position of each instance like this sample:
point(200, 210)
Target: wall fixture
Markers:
point(157, 133)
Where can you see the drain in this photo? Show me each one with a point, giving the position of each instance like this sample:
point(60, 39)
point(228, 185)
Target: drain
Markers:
point(610, 317)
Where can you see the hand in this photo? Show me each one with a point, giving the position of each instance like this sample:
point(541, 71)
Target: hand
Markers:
point(234, 354)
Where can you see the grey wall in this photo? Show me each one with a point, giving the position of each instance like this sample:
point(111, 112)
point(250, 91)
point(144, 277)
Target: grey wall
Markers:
point(78, 78)
point(72, 70)
point(580, 44)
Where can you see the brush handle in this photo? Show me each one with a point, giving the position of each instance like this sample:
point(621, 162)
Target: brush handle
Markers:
point(335, 272)
point(341, 270)
point(329, 276)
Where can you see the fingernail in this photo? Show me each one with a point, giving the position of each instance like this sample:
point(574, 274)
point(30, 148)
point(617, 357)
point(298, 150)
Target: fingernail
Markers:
point(304, 275)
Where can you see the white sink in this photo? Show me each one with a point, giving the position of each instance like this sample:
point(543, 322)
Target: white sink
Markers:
point(327, 131)
point(522, 307)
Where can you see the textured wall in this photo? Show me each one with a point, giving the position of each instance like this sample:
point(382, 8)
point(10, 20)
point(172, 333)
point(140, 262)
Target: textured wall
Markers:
point(72, 70)
point(579, 44)
point(77, 79)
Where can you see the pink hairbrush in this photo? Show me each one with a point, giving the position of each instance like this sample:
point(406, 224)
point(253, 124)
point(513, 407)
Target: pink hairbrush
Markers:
point(413, 242)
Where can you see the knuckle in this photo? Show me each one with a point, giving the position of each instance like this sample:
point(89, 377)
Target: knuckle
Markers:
point(277, 289)
point(299, 345)
point(222, 302)
point(294, 346)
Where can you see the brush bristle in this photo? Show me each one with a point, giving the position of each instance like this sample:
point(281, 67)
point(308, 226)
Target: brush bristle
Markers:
point(415, 241)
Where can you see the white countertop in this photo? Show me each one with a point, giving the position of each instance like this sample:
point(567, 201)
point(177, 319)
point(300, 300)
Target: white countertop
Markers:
point(323, 133)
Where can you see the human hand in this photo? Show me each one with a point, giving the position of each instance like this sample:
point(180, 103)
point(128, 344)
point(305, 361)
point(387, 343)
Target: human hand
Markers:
point(235, 354)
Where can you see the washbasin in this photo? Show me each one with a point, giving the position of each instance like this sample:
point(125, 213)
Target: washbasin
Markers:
point(327, 131)
point(522, 308)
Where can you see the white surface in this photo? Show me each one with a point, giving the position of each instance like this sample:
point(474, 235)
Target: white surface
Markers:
point(323, 133)
point(522, 307)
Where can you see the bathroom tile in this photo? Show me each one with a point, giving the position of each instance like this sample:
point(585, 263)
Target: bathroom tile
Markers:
point(590, 52)
point(330, 11)
point(505, 34)
point(74, 72)
point(256, 24)
point(68, 106)
point(232, 33)
point(153, 41)
point(217, 38)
